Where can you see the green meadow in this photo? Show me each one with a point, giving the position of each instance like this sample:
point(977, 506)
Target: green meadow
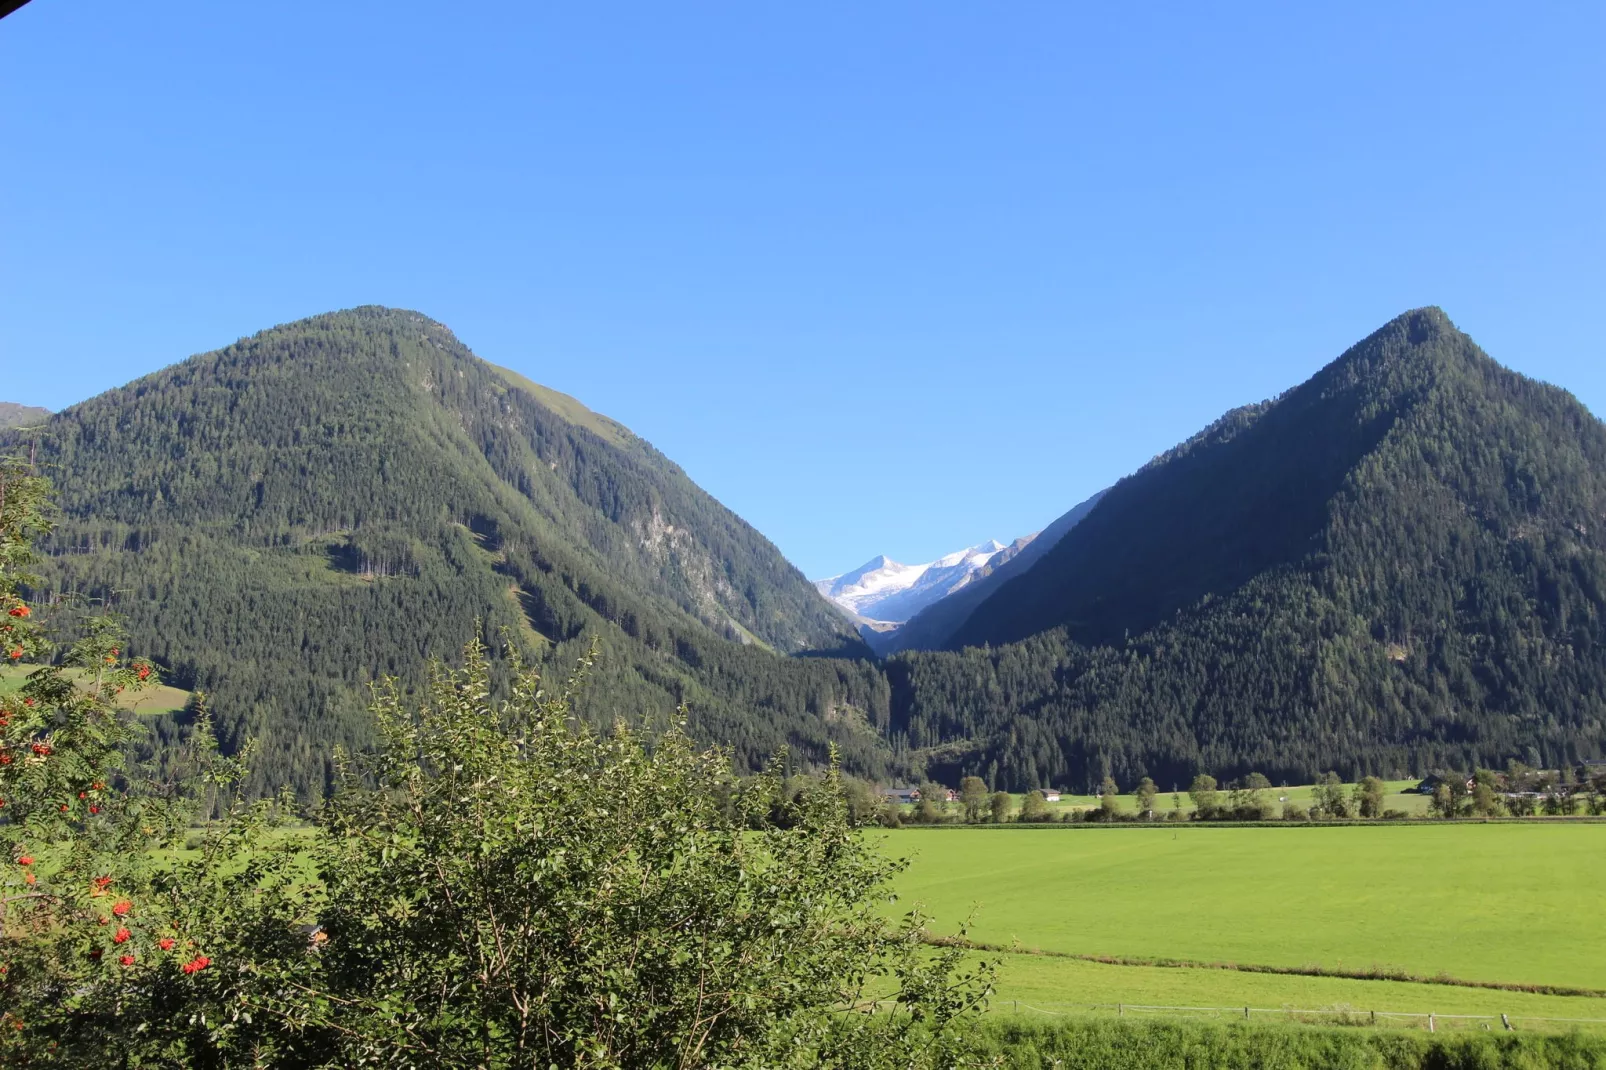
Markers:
point(1509, 903)
point(151, 701)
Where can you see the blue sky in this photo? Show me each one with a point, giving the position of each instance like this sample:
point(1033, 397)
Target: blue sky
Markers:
point(882, 277)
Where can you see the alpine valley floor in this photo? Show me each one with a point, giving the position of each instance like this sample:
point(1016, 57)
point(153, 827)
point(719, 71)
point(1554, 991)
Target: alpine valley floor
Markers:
point(1501, 904)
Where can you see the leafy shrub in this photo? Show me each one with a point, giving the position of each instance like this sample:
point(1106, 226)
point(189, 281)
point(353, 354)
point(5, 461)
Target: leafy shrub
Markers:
point(497, 886)
point(585, 902)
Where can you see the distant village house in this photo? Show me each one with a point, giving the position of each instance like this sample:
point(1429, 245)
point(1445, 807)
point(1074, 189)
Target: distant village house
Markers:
point(910, 796)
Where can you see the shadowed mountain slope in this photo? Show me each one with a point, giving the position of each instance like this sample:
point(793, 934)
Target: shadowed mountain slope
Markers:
point(932, 627)
point(1399, 564)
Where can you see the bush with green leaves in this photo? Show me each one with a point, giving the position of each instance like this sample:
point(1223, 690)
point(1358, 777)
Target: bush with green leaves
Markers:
point(507, 887)
point(116, 943)
point(496, 885)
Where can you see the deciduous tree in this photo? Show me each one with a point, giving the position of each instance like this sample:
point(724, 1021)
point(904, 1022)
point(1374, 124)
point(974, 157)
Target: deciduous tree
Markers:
point(1145, 795)
point(1368, 797)
point(973, 797)
point(1327, 798)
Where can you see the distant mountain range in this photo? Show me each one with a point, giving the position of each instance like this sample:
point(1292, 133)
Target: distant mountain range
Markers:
point(901, 607)
point(15, 415)
point(933, 625)
point(883, 591)
point(1395, 567)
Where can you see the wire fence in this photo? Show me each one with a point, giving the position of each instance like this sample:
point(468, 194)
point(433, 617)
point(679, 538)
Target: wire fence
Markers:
point(1433, 1022)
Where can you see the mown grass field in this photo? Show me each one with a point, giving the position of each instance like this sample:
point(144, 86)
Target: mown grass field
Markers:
point(151, 701)
point(1517, 904)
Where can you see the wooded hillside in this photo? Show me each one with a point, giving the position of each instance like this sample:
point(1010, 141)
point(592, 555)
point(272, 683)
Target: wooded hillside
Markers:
point(1396, 566)
point(326, 501)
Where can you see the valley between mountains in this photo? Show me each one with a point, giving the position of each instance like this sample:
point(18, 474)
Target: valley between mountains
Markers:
point(1396, 566)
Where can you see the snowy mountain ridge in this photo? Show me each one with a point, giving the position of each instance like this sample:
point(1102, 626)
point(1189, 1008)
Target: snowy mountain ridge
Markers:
point(884, 591)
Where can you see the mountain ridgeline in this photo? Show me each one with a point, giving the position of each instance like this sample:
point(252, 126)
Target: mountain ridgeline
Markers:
point(934, 625)
point(285, 519)
point(15, 415)
point(1397, 566)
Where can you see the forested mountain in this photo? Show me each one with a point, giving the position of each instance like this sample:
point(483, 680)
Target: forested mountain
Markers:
point(284, 519)
point(1396, 566)
point(14, 415)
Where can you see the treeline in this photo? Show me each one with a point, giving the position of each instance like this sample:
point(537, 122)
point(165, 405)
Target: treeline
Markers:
point(1518, 792)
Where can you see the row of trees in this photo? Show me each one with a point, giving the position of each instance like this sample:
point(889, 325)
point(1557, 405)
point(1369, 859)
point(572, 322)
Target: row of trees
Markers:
point(1522, 792)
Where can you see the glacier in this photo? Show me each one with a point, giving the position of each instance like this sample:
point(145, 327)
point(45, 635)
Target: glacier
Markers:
point(884, 591)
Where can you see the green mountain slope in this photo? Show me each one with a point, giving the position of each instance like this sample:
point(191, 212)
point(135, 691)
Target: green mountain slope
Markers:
point(1399, 564)
point(332, 499)
point(14, 415)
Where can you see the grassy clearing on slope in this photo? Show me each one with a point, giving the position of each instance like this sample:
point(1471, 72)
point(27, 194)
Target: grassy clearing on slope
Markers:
point(1510, 903)
point(151, 701)
point(567, 407)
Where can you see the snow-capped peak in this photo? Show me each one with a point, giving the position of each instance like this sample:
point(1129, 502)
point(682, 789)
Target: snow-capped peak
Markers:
point(884, 590)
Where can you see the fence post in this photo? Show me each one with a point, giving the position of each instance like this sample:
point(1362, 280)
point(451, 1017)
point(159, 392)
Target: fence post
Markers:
point(1119, 1010)
point(1430, 1025)
point(1374, 1017)
point(1246, 1014)
point(1507, 1022)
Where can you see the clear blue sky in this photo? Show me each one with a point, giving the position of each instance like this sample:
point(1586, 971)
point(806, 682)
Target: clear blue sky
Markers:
point(882, 277)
